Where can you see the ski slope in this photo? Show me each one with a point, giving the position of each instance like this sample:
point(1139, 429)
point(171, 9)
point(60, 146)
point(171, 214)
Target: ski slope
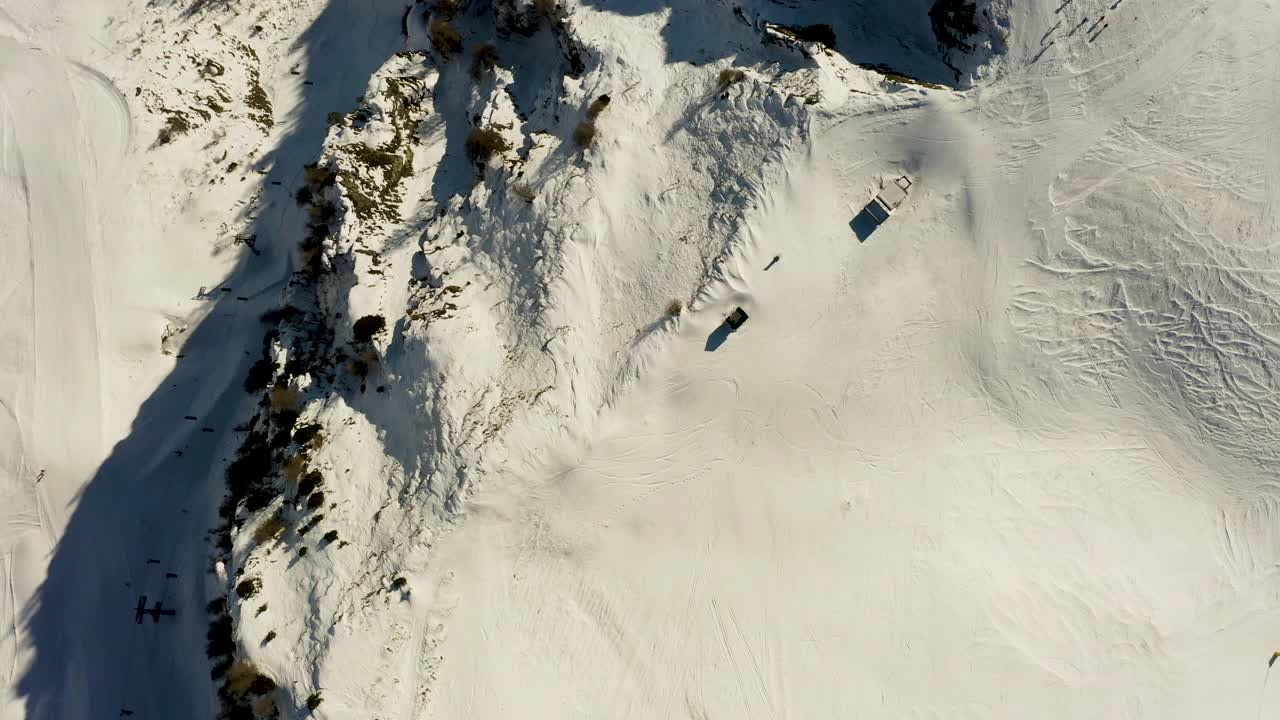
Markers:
point(1004, 459)
point(1010, 454)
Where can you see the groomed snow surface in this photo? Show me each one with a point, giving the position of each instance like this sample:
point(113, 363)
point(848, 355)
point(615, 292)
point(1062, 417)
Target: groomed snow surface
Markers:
point(1012, 453)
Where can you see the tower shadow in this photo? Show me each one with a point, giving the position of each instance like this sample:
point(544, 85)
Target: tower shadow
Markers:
point(157, 493)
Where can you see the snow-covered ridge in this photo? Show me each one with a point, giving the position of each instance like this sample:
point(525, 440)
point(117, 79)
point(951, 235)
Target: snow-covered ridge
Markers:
point(438, 290)
point(504, 293)
point(479, 268)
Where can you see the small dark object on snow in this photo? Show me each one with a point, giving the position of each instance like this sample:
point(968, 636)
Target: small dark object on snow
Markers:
point(736, 318)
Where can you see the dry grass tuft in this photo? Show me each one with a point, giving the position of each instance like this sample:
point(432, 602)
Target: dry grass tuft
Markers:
point(269, 529)
point(675, 307)
point(483, 143)
point(522, 190)
point(730, 76)
point(240, 677)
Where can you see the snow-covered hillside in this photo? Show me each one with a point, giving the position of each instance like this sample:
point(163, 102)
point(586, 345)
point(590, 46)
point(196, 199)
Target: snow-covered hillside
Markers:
point(382, 342)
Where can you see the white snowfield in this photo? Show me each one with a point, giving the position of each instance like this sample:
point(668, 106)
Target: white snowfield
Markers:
point(1015, 455)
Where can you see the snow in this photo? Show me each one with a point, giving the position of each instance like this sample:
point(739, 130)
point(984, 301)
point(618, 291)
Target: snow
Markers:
point(1015, 457)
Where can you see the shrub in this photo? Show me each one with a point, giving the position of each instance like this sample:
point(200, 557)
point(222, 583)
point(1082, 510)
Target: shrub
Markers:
point(484, 57)
point(270, 636)
point(399, 583)
point(269, 529)
point(548, 9)
point(302, 552)
point(219, 669)
point(240, 676)
point(283, 399)
point(319, 176)
point(284, 420)
point(311, 524)
point(675, 307)
point(248, 587)
point(308, 433)
point(522, 190)
point(597, 106)
point(261, 609)
point(322, 213)
point(175, 125)
point(729, 76)
point(260, 374)
point(331, 536)
point(368, 326)
point(316, 500)
point(445, 38)
point(243, 678)
point(279, 315)
point(314, 700)
point(248, 469)
point(259, 497)
point(262, 685)
point(584, 134)
point(310, 482)
point(220, 638)
point(482, 143)
point(446, 8)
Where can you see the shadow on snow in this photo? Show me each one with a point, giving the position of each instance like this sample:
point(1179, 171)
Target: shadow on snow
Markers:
point(156, 495)
point(889, 35)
